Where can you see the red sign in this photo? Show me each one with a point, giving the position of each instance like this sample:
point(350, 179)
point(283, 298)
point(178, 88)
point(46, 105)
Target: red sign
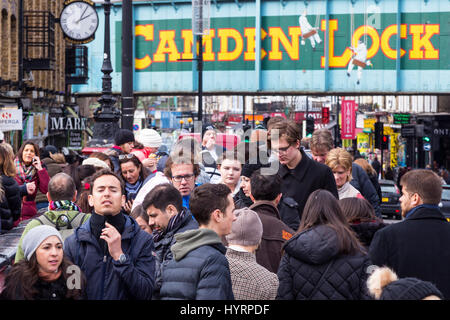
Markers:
point(300, 116)
point(348, 119)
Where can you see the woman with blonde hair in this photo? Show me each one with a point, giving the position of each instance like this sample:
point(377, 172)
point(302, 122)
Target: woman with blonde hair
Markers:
point(340, 162)
point(10, 202)
point(373, 176)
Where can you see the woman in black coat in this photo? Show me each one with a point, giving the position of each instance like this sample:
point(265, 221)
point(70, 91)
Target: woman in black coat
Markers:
point(10, 201)
point(373, 176)
point(361, 217)
point(324, 260)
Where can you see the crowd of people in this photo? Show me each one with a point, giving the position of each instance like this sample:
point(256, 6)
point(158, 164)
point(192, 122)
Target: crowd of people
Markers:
point(263, 220)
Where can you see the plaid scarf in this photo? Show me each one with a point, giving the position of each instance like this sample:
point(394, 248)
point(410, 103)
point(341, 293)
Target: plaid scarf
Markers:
point(25, 173)
point(63, 205)
point(173, 222)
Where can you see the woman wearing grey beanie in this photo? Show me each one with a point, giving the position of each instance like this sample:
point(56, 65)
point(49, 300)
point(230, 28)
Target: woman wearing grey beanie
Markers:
point(44, 274)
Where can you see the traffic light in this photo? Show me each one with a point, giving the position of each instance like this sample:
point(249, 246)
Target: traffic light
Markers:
point(378, 134)
point(384, 142)
point(325, 115)
point(309, 126)
point(427, 130)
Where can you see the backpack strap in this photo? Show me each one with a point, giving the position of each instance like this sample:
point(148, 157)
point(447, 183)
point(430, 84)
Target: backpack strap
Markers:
point(43, 219)
point(78, 220)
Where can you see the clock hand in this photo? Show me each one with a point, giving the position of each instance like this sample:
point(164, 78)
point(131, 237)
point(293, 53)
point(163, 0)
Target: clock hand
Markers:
point(81, 17)
point(86, 17)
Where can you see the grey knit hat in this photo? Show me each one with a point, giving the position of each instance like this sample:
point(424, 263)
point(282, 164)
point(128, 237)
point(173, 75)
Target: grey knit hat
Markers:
point(35, 237)
point(247, 229)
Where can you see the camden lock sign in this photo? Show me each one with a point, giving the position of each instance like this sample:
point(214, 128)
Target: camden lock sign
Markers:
point(63, 124)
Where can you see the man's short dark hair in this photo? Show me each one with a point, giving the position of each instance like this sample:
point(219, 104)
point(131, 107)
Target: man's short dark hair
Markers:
point(206, 198)
point(265, 187)
point(107, 172)
point(161, 196)
point(61, 187)
point(426, 183)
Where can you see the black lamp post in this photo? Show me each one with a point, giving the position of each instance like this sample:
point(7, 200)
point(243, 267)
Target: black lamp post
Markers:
point(106, 117)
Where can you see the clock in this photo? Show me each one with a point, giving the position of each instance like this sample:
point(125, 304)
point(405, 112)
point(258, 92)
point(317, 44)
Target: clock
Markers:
point(79, 21)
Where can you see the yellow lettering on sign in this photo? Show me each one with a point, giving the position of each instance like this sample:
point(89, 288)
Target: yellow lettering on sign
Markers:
point(292, 47)
point(166, 46)
point(371, 32)
point(250, 34)
point(419, 42)
point(145, 31)
point(207, 42)
point(386, 36)
point(334, 61)
point(224, 35)
point(188, 42)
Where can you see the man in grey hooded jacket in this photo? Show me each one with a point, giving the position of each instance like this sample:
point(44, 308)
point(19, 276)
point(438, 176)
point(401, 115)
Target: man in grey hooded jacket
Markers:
point(199, 269)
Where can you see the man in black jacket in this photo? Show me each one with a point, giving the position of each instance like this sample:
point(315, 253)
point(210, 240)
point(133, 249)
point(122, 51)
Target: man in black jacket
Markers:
point(416, 247)
point(166, 217)
point(300, 175)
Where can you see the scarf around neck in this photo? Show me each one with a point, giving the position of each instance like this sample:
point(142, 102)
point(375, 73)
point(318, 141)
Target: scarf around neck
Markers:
point(24, 172)
point(173, 223)
point(63, 205)
point(97, 223)
point(133, 189)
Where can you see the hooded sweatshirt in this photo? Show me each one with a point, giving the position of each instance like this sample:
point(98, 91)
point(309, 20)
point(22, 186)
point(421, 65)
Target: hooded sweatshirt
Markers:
point(199, 269)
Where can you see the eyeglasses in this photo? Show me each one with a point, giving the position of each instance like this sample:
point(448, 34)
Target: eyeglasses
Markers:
point(282, 150)
point(126, 156)
point(187, 177)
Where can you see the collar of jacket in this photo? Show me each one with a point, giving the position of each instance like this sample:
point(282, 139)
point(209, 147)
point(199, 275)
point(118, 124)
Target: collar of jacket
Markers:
point(425, 211)
point(84, 232)
point(192, 239)
point(300, 170)
point(271, 210)
point(246, 256)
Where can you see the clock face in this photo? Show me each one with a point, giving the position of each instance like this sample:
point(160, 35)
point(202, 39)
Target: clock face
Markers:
point(79, 20)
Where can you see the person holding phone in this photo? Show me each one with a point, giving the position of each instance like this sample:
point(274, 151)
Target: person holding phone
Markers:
point(31, 176)
point(135, 175)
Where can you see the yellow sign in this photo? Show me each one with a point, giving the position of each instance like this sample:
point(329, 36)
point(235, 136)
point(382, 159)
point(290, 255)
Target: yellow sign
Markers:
point(394, 149)
point(370, 123)
point(388, 130)
point(363, 142)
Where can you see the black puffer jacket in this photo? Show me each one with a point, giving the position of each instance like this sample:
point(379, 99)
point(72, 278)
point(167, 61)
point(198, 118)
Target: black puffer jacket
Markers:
point(303, 270)
point(366, 231)
point(11, 204)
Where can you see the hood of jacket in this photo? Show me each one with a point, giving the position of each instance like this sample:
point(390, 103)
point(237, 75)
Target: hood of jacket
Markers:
point(191, 240)
point(316, 246)
point(366, 230)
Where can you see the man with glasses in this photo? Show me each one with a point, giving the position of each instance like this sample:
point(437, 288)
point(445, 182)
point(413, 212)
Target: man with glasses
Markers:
point(417, 246)
point(300, 175)
point(182, 171)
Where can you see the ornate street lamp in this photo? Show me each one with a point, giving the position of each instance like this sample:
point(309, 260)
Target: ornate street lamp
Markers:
point(106, 116)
